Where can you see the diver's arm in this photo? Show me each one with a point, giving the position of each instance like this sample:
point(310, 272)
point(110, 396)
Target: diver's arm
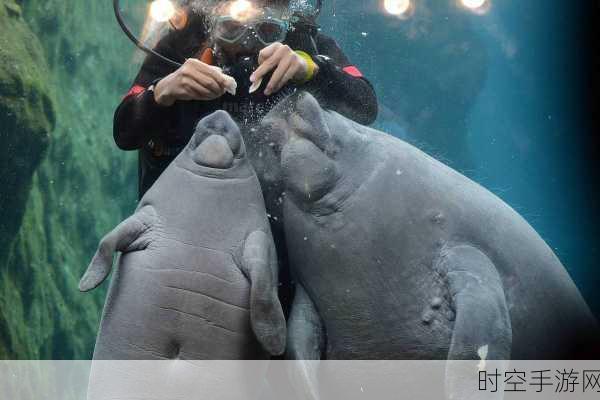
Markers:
point(139, 118)
point(340, 86)
point(148, 110)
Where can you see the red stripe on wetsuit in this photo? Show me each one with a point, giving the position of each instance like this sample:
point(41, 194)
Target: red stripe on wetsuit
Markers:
point(134, 91)
point(353, 71)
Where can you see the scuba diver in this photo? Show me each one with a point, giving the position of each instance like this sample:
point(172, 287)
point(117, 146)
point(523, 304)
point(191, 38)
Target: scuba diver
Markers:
point(265, 49)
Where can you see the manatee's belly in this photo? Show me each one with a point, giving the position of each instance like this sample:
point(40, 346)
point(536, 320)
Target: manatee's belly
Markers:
point(176, 300)
point(376, 292)
point(373, 305)
point(377, 326)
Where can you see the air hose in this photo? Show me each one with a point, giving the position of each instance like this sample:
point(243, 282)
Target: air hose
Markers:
point(135, 40)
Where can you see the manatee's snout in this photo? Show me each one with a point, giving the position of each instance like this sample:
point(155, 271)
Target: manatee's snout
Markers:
point(214, 152)
point(217, 141)
point(309, 170)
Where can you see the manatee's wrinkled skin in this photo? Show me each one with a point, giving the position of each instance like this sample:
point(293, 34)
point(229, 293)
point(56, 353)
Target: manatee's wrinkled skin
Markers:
point(397, 256)
point(197, 278)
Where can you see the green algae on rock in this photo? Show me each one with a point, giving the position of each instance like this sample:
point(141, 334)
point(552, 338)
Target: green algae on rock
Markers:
point(27, 114)
point(69, 67)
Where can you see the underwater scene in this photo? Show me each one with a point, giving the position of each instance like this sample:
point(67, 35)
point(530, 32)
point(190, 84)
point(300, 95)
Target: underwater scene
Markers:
point(499, 90)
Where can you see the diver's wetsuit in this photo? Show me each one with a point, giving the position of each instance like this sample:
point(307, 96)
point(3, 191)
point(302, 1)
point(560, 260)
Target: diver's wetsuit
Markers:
point(159, 133)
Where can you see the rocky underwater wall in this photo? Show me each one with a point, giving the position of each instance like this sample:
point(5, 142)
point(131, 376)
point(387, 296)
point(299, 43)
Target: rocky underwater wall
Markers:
point(63, 67)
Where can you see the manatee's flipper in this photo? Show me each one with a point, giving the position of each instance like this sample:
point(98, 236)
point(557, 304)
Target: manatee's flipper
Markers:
point(305, 345)
point(477, 295)
point(126, 237)
point(482, 328)
point(259, 264)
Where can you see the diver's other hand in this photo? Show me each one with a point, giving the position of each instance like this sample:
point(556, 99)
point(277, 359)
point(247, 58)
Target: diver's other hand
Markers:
point(194, 80)
point(288, 66)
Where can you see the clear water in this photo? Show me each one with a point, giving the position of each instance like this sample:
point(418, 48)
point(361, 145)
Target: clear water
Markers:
point(500, 93)
point(506, 95)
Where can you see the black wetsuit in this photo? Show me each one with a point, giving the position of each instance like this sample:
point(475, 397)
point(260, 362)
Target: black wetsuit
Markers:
point(159, 133)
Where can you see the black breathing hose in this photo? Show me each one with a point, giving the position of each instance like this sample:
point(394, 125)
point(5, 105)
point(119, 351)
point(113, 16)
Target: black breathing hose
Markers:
point(135, 40)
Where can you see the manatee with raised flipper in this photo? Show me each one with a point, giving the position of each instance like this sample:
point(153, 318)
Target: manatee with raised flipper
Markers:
point(197, 277)
point(397, 256)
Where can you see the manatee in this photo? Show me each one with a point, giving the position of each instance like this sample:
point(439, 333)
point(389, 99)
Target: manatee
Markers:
point(197, 275)
point(397, 256)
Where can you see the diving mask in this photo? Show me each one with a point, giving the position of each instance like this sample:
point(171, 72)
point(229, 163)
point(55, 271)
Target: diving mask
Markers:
point(267, 30)
point(238, 41)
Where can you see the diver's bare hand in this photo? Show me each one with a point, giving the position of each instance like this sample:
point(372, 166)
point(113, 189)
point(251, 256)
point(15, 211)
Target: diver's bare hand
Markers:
point(194, 80)
point(287, 63)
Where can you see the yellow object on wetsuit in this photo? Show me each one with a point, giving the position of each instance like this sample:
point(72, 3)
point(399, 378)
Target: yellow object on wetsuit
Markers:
point(312, 66)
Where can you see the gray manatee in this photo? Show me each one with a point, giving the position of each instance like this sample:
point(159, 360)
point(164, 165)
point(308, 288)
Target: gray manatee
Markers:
point(197, 278)
point(397, 256)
